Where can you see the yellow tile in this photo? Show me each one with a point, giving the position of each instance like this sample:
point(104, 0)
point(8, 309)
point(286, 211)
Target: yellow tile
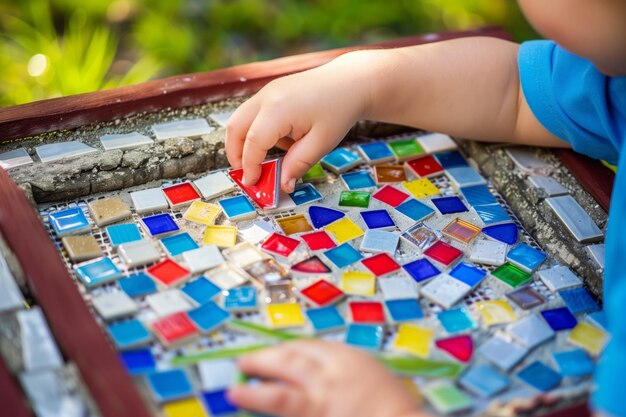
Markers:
point(358, 283)
point(496, 312)
point(294, 224)
point(421, 188)
point(285, 315)
point(108, 210)
point(81, 248)
point(413, 339)
point(203, 213)
point(190, 407)
point(344, 230)
point(588, 337)
point(223, 236)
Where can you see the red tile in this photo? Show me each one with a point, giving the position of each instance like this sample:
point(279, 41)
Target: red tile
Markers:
point(280, 244)
point(181, 194)
point(460, 347)
point(312, 265)
point(390, 195)
point(425, 166)
point(168, 273)
point(443, 253)
point(265, 191)
point(322, 293)
point(174, 328)
point(380, 264)
point(318, 240)
point(370, 312)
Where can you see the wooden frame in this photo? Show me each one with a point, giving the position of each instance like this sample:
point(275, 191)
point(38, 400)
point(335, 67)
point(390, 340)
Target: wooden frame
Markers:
point(80, 338)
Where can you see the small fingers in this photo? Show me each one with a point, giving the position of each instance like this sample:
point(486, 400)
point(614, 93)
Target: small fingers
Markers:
point(284, 143)
point(236, 130)
point(302, 156)
point(270, 398)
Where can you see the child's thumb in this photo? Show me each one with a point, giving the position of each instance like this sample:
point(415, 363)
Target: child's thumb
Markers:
point(305, 153)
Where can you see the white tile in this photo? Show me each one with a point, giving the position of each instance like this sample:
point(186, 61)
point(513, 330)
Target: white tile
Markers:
point(10, 295)
point(548, 186)
point(124, 141)
point(379, 241)
point(15, 158)
point(218, 374)
point(445, 290)
point(575, 219)
point(221, 118)
point(168, 302)
point(203, 258)
point(113, 305)
point(150, 200)
point(178, 128)
point(50, 396)
point(559, 278)
point(530, 331)
point(502, 353)
point(56, 151)
point(227, 277)
point(489, 252)
point(214, 185)
point(596, 252)
point(256, 232)
point(437, 142)
point(524, 159)
point(244, 254)
point(398, 288)
point(39, 349)
point(139, 253)
point(284, 203)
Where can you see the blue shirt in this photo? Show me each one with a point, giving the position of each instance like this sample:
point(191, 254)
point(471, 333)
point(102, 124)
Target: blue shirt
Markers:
point(579, 104)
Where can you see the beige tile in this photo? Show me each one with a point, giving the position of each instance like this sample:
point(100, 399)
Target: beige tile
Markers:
point(81, 248)
point(108, 210)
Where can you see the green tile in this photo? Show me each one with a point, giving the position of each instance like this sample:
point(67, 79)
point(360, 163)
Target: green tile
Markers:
point(406, 148)
point(511, 275)
point(354, 199)
point(446, 398)
point(315, 173)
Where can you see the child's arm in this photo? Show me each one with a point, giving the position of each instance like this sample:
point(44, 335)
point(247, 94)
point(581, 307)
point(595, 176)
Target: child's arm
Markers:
point(466, 87)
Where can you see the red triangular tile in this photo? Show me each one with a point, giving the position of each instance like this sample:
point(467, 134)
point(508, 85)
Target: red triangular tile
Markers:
point(313, 265)
point(265, 191)
point(460, 347)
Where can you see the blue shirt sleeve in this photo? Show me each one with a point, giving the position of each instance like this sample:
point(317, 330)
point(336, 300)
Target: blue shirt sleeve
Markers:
point(580, 105)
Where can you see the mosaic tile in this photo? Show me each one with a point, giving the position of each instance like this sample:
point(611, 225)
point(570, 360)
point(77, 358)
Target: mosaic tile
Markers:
point(598, 319)
point(305, 194)
point(526, 298)
point(365, 336)
point(340, 160)
point(451, 159)
point(412, 339)
point(214, 185)
point(502, 353)
point(244, 254)
point(360, 199)
point(168, 273)
point(201, 212)
point(478, 195)
point(81, 248)
point(280, 292)
point(445, 290)
point(446, 398)
point(312, 265)
point(559, 318)
point(202, 259)
point(169, 385)
point(358, 283)
point(180, 195)
point(321, 293)
point(344, 230)
point(421, 188)
point(240, 299)
point(237, 208)
point(597, 254)
point(376, 152)
point(297, 223)
point(129, 334)
point(280, 245)
point(159, 224)
point(578, 300)
point(574, 363)
point(468, 274)
point(402, 310)
point(526, 257)
point(222, 117)
point(256, 232)
point(461, 230)
point(138, 361)
point(267, 272)
point(405, 149)
point(208, 317)
point(425, 166)
point(181, 128)
point(420, 235)
point(525, 159)
point(178, 244)
point(492, 213)
point(436, 142)
point(464, 177)
point(148, 201)
point(138, 253)
point(511, 275)
point(421, 269)
point(389, 174)
point(218, 374)
point(175, 330)
point(56, 151)
point(137, 285)
point(285, 315)
point(496, 312)
point(588, 337)
point(265, 192)
point(97, 272)
point(378, 241)
point(366, 312)
point(189, 407)
point(201, 290)
point(222, 236)
point(37, 347)
point(559, 278)
point(120, 234)
point(71, 221)
point(488, 252)
point(124, 141)
point(415, 210)
point(505, 233)
point(218, 403)
point(11, 297)
point(456, 320)
point(325, 319)
point(547, 186)
point(318, 240)
point(460, 347)
point(110, 210)
point(443, 253)
point(448, 205)
point(530, 331)
point(358, 180)
point(539, 376)
point(394, 288)
point(323, 216)
point(380, 264)
point(580, 225)
point(484, 381)
point(315, 174)
point(15, 158)
point(390, 195)
point(114, 305)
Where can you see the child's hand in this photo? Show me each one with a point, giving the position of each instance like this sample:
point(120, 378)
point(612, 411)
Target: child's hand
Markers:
point(321, 379)
point(315, 109)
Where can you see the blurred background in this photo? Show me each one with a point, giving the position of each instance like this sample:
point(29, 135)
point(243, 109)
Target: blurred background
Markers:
point(52, 48)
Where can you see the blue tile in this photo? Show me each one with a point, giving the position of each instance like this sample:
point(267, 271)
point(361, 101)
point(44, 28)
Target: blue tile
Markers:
point(218, 404)
point(201, 290)
point(325, 318)
point(484, 381)
point(447, 205)
point(128, 334)
point(540, 376)
point(451, 159)
point(70, 221)
point(478, 195)
point(574, 363)
point(340, 159)
point(421, 269)
point(578, 300)
point(598, 318)
point(97, 272)
point(139, 361)
point(415, 210)
point(169, 385)
point(465, 176)
point(304, 194)
point(343, 255)
point(526, 257)
point(159, 224)
point(236, 206)
point(456, 320)
point(404, 310)
point(506, 232)
point(179, 243)
point(375, 151)
point(240, 299)
point(358, 180)
point(468, 274)
point(492, 213)
point(322, 216)
point(377, 219)
point(559, 318)
point(123, 233)
point(365, 336)
point(137, 285)
point(208, 317)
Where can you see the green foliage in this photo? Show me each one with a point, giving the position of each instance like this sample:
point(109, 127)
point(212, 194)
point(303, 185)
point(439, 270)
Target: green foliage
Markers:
point(51, 48)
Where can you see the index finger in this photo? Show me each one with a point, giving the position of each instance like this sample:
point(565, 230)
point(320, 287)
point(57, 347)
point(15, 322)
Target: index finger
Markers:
point(236, 129)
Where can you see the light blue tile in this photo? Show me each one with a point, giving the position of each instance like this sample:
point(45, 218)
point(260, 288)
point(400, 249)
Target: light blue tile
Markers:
point(415, 210)
point(365, 336)
point(358, 180)
point(55, 151)
point(325, 318)
point(526, 257)
point(484, 381)
point(179, 243)
point(478, 195)
point(129, 334)
point(201, 290)
point(240, 299)
point(69, 222)
point(236, 207)
point(492, 213)
point(343, 255)
point(123, 233)
point(137, 285)
point(304, 194)
point(456, 320)
point(404, 310)
point(98, 272)
point(208, 317)
point(169, 385)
